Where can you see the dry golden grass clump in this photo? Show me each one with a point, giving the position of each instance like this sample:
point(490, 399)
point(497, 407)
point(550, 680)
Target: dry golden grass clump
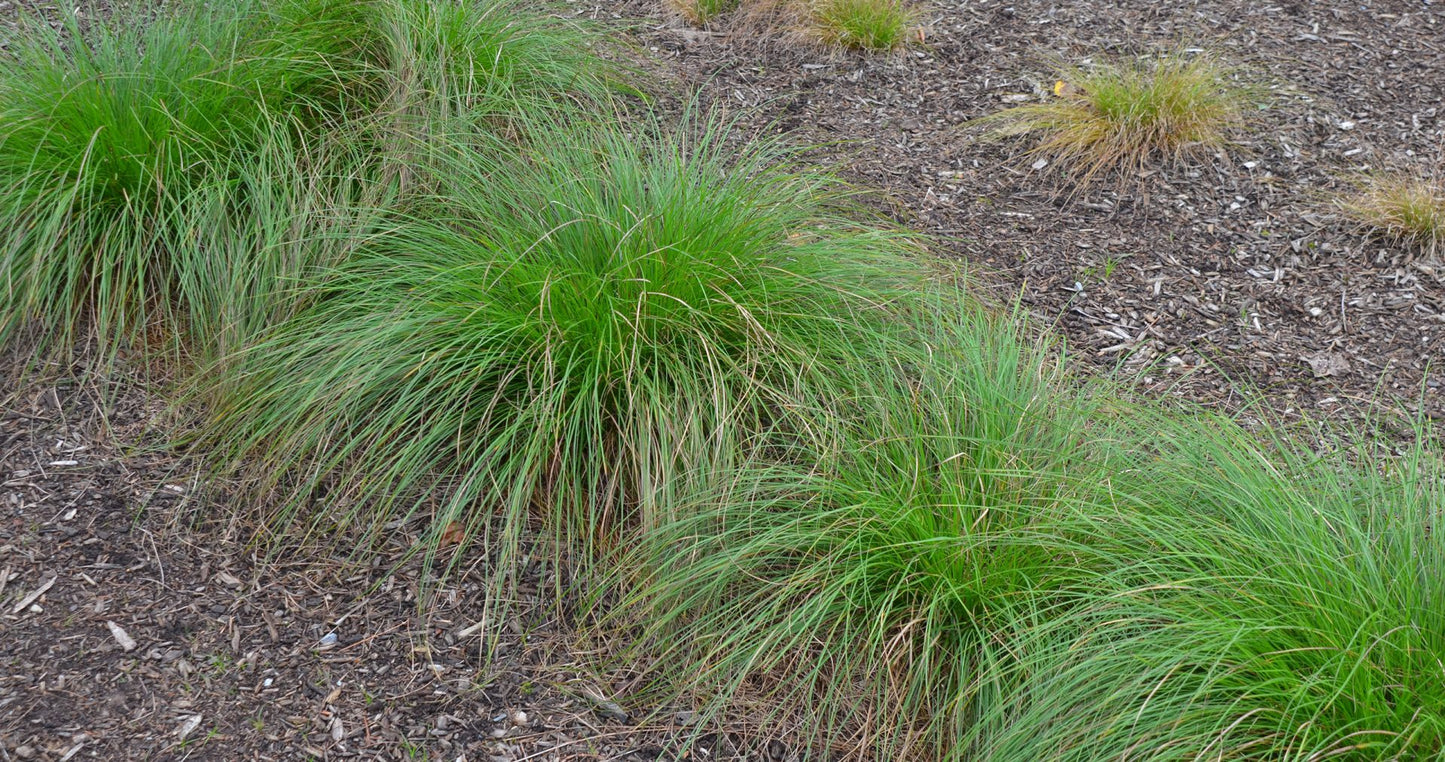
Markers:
point(1124, 116)
point(1407, 209)
point(867, 25)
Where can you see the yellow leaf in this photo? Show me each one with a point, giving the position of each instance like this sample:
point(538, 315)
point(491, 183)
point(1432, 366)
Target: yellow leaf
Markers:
point(1065, 90)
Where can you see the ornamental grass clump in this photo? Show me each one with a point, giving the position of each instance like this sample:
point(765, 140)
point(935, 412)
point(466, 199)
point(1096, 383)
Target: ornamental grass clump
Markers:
point(245, 238)
point(1123, 117)
point(976, 562)
point(494, 64)
point(883, 573)
point(870, 25)
point(568, 335)
point(703, 12)
point(1404, 209)
point(106, 132)
point(101, 131)
point(1281, 604)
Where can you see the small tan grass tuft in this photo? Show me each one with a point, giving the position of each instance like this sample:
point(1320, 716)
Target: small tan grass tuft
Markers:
point(1125, 116)
point(1406, 209)
point(872, 26)
point(704, 12)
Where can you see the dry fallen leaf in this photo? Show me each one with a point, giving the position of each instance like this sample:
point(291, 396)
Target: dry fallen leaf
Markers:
point(188, 724)
point(1327, 364)
point(454, 533)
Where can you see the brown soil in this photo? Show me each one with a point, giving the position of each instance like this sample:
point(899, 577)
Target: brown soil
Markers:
point(1200, 282)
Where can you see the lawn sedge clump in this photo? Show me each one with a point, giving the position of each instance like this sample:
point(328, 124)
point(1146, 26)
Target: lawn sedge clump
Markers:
point(100, 132)
point(1401, 208)
point(493, 64)
point(569, 333)
point(104, 131)
point(1281, 604)
point(246, 234)
point(873, 26)
point(881, 573)
point(870, 25)
point(1122, 117)
point(956, 578)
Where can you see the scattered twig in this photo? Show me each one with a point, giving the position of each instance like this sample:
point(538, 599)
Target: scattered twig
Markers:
point(34, 596)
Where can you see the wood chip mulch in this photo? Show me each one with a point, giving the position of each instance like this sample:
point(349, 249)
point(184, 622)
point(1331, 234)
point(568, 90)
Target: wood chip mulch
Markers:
point(136, 623)
point(1225, 283)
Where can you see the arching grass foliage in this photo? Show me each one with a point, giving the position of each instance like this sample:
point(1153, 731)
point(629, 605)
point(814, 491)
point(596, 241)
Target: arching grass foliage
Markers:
point(571, 332)
point(107, 131)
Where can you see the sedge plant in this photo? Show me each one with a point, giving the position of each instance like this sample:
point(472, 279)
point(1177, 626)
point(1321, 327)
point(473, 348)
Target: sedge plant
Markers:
point(1122, 117)
point(868, 25)
point(248, 236)
point(560, 335)
point(882, 574)
point(703, 12)
point(494, 64)
point(102, 130)
point(985, 566)
point(1318, 595)
point(1280, 604)
point(872, 26)
point(105, 132)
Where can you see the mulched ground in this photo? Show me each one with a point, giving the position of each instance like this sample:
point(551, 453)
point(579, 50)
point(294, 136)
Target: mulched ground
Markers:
point(134, 623)
point(1202, 282)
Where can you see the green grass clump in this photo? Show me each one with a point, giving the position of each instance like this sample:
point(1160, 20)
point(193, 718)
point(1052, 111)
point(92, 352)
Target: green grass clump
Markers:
point(1407, 210)
point(880, 575)
point(872, 25)
point(106, 132)
point(491, 64)
point(1285, 606)
point(259, 225)
point(1318, 603)
point(1023, 572)
point(101, 131)
point(574, 332)
point(1125, 116)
